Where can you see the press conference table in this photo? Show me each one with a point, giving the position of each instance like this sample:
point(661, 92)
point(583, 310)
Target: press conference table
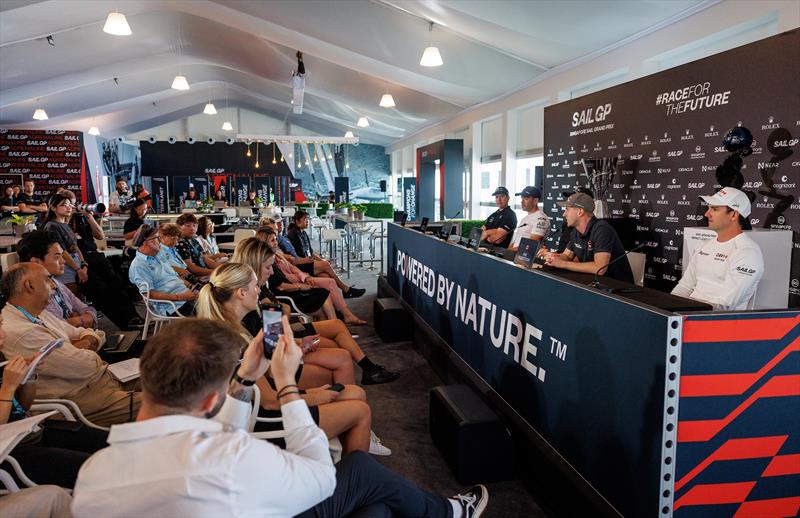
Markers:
point(624, 389)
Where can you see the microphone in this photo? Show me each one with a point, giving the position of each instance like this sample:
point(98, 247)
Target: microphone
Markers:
point(448, 220)
point(596, 281)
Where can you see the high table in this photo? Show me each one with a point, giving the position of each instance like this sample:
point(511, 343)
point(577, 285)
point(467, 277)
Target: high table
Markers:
point(653, 411)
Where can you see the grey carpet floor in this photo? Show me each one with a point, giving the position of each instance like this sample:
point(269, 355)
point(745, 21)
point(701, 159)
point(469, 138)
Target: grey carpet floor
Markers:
point(400, 415)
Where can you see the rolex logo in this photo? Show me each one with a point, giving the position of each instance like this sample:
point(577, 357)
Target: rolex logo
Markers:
point(771, 119)
point(665, 134)
point(711, 128)
point(655, 152)
point(697, 149)
point(687, 131)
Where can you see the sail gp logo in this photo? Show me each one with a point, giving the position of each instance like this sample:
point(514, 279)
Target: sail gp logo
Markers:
point(745, 270)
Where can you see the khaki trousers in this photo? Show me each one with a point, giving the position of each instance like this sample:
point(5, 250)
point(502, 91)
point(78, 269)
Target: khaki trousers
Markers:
point(107, 401)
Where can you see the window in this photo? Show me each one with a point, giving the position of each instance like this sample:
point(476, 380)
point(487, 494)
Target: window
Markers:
point(529, 172)
point(490, 180)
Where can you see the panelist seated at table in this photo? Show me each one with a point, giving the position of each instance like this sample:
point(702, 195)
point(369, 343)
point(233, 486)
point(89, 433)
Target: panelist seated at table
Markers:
point(501, 223)
point(594, 246)
point(535, 225)
point(725, 271)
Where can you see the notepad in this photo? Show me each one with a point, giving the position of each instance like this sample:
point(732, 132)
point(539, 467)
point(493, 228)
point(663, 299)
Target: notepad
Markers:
point(125, 371)
point(43, 352)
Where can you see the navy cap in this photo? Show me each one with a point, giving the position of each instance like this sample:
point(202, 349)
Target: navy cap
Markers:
point(500, 191)
point(531, 191)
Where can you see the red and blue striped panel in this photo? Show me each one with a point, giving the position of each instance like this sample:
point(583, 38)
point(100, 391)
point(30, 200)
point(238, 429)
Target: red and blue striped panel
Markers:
point(738, 451)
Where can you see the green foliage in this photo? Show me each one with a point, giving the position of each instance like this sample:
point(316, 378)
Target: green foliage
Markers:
point(379, 210)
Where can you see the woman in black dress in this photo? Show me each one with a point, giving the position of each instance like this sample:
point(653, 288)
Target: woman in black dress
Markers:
point(136, 219)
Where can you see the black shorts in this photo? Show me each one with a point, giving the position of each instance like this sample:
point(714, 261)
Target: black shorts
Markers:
point(307, 268)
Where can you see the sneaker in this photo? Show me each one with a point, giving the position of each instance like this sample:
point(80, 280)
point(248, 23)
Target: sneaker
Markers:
point(353, 293)
point(473, 502)
point(378, 375)
point(375, 446)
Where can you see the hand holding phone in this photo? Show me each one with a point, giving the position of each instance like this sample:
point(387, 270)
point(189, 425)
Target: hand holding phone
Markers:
point(271, 320)
point(337, 387)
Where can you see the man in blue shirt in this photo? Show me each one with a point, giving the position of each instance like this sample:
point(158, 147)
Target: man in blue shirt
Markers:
point(161, 279)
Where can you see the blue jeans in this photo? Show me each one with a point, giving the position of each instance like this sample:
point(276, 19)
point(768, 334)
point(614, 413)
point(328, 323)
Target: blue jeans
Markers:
point(364, 488)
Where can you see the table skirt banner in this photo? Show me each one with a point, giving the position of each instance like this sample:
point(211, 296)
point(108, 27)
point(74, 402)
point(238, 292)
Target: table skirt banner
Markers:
point(585, 370)
point(738, 437)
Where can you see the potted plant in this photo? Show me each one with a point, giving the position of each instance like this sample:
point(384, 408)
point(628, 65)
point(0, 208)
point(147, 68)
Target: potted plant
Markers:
point(22, 224)
point(342, 207)
point(206, 206)
point(359, 211)
point(259, 202)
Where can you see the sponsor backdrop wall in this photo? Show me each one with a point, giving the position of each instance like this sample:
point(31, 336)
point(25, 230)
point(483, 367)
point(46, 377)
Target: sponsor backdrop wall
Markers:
point(666, 132)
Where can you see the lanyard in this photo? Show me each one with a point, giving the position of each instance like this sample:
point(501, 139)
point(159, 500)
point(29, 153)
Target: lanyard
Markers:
point(27, 315)
point(60, 301)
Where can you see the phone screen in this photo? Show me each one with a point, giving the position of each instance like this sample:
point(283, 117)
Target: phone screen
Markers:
point(271, 319)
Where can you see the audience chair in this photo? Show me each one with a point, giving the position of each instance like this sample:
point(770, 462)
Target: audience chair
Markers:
point(240, 234)
point(8, 260)
point(151, 317)
point(295, 311)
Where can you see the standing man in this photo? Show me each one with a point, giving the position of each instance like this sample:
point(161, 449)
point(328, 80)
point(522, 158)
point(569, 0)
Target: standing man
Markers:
point(29, 203)
point(725, 271)
point(500, 224)
point(594, 245)
point(119, 202)
point(535, 225)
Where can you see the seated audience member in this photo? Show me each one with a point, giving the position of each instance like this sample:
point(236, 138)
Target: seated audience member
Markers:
point(119, 201)
point(287, 276)
point(29, 203)
point(73, 371)
point(725, 271)
point(191, 200)
point(104, 285)
point(299, 237)
point(190, 250)
point(52, 455)
point(8, 205)
point(41, 247)
point(187, 369)
point(220, 196)
point(169, 234)
point(76, 269)
point(500, 224)
point(37, 502)
point(251, 198)
point(232, 293)
point(259, 256)
point(535, 225)
point(205, 236)
point(135, 219)
point(158, 276)
point(594, 246)
point(316, 267)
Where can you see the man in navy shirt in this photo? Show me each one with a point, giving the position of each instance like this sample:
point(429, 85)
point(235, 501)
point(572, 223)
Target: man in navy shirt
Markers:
point(499, 226)
point(594, 245)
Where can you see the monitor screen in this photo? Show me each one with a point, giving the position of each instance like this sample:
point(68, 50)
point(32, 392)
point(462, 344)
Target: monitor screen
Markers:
point(475, 237)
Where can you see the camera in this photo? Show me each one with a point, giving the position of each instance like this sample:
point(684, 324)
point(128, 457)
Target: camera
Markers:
point(95, 208)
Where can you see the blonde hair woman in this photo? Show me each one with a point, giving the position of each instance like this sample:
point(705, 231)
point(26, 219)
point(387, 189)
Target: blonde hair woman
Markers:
point(231, 293)
point(332, 333)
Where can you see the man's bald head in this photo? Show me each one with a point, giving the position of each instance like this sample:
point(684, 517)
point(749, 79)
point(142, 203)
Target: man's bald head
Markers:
point(27, 285)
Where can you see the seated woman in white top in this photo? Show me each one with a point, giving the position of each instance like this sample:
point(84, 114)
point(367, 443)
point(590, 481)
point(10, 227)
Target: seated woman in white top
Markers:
point(205, 236)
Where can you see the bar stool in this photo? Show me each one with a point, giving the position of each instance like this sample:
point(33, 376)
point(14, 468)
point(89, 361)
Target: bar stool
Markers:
point(334, 237)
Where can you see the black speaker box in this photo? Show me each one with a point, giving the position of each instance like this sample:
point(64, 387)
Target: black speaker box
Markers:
point(392, 322)
point(473, 441)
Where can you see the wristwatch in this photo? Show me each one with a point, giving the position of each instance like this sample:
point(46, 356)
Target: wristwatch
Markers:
point(241, 381)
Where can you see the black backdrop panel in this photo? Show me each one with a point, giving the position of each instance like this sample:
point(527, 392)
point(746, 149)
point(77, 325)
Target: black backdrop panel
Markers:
point(667, 130)
point(183, 159)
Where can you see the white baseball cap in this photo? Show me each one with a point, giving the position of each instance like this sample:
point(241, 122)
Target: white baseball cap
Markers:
point(730, 197)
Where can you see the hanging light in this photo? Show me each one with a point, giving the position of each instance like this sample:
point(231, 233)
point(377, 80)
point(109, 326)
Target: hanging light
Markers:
point(387, 101)
point(431, 56)
point(273, 153)
point(226, 126)
point(117, 25)
point(347, 165)
point(348, 134)
point(299, 165)
point(210, 109)
point(257, 164)
point(94, 131)
point(248, 154)
point(180, 83)
point(362, 122)
point(40, 114)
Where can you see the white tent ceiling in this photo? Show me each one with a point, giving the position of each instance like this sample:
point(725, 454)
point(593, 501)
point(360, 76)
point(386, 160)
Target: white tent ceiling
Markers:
point(242, 52)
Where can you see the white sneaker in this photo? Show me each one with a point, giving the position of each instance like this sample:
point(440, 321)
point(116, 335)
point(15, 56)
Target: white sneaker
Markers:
point(375, 446)
point(473, 502)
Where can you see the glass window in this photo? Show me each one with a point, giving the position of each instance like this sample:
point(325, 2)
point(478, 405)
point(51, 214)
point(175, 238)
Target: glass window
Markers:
point(527, 174)
point(490, 180)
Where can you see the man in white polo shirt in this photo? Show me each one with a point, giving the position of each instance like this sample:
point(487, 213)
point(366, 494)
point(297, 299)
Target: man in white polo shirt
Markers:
point(535, 224)
point(724, 271)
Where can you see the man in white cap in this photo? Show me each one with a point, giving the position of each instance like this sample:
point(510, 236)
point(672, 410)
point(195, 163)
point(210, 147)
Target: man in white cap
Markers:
point(535, 224)
point(724, 271)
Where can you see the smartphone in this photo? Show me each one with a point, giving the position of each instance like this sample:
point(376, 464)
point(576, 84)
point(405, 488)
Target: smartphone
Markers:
point(337, 387)
point(271, 319)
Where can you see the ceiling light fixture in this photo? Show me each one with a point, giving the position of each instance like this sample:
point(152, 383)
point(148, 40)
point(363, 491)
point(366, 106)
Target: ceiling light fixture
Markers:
point(257, 164)
point(273, 153)
point(387, 101)
point(431, 56)
point(362, 122)
point(226, 126)
point(248, 154)
point(180, 82)
point(348, 134)
point(94, 131)
point(117, 25)
point(210, 109)
point(40, 115)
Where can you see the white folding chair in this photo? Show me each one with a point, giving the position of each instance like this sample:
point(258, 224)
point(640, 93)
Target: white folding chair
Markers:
point(295, 311)
point(8, 260)
point(151, 316)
